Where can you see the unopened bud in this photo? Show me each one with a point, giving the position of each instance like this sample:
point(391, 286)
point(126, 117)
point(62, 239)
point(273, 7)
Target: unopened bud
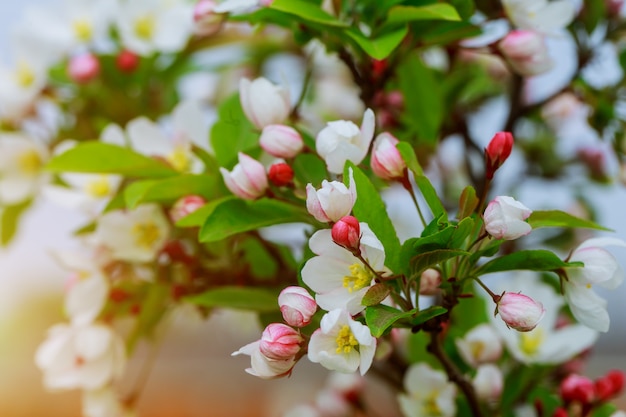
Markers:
point(430, 281)
point(280, 174)
point(347, 233)
point(577, 388)
point(281, 141)
point(297, 306)
point(505, 218)
point(247, 179)
point(519, 311)
point(83, 68)
point(386, 162)
point(280, 342)
point(206, 21)
point(497, 152)
point(185, 206)
point(127, 61)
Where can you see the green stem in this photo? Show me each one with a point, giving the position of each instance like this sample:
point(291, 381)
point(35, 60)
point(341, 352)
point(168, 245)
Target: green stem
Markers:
point(407, 186)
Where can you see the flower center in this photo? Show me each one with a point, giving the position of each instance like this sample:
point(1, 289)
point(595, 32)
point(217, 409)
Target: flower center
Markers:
point(477, 348)
point(24, 75)
point(531, 341)
point(360, 277)
point(98, 187)
point(144, 27)
point(82, 29)
point(179, 158)
point(430, 406)
point(345, 340)
point(146, 234)
point(29, 162)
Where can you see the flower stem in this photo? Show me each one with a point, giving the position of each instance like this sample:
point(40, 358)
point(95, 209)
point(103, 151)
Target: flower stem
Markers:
point(407, 186)
point(493, 296)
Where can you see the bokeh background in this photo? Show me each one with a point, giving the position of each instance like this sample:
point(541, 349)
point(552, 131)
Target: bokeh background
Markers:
point(194, 373)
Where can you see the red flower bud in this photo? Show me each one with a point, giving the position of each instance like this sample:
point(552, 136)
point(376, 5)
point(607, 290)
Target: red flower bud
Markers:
point(347, 233)
point(617, 378)
point(127, 61)
point(497, 152)
point(560, 412)
point(577, 388)
point(609, 385)
point(280, 174)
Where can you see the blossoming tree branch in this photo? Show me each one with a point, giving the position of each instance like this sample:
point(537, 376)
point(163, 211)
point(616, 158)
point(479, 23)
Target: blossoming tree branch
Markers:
point(335, 167)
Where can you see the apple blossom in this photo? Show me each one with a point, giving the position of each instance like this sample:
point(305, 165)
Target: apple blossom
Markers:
point(297, 306)
point(263, 367)
point(280, 174)
point(428, 393)
point(342, 141)
point(83, 68)
point(577, 388)
point(430, 280)
point(601, 268)
point(505, 218)
point(235, 6)
point(519, 311)
point(133, 235)
point(281, 141)
point(386, 162)
point(340, 279)
point(480, 345)
point(247, 179)
point(104, 402)
point(540, 15)
point(21, 167)
point(280, 342)
point(488, 382)
point(263, 102)
point(347, 233)
point(342, 344)
point(81, 356)
point(526, 52)
point(206, 20)
point(497, 152)
point(184, 206)
point(331, 202)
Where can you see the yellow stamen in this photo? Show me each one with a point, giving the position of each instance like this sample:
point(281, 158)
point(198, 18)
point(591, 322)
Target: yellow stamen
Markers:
point(144, 27)
point(345, 340)
point(179, 159)
point(430, 406)
point(588, 285)
point(477, 348)
point(24, 75)
point(30, 162)
point(531, 341)
point(83, 29)
point(146, 234)
point(360, 277)
point(98, 187)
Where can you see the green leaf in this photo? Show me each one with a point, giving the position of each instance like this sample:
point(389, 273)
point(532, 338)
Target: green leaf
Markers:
point(153, 307)
point(10, 220)
point(198, 217)
point(168, 189)
point(370, 208)
point(381, 46)
point(239, 298)
point(380, 317)
point(532, 260)
point(437, 11)
point(375, 294)
point(427, 314)
point(557, 218)
point(236, 216)
point(468, 202)
point(309, 168)
point(306, 11)
point(408, 155)
point(99, 157)
point(233, 132)
point(424, 260)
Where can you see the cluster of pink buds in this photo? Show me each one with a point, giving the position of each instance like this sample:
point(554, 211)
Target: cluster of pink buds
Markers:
point(583, 393)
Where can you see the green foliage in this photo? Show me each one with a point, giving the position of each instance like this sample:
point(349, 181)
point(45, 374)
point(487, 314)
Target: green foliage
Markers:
point(557, 218)
point(436, 11)
point(376, 294)
point(531, 260)
point(198, 217)
point(379, 318)
point(307, 11)
point(9, 221)
point(170, 189)
point(239, 298)
point(381, 46)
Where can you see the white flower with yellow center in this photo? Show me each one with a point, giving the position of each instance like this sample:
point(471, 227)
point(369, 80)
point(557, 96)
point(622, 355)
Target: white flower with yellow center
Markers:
point(104, 402)
point(21, 167)
point(149, 26)
point(540, 15)
point(342, 344)
point(340, 279)
point(428, 393)
point(134, 235)
point(20, 87)
point(545, 344)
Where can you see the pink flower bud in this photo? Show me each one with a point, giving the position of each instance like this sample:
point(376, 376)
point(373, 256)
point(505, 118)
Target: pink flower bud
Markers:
point(347, 233)
point(430, 281)
point(526, 52)
point(331, 202)
point(127, 61)
point(280, 342)
point(263, 102)
point(386, 162)
point(497, 152)
point(281, 141)
point(505, 218)
point(297, 306)
point(266, 3)
point(83, 68)
point(280, 174)
point(577, 388)
point(609, 385)
point(247, 180)
point(206, 21)
point(519, 311)
point(185, 206)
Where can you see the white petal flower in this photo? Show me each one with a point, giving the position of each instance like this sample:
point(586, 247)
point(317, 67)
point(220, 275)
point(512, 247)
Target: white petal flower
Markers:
point(21, 167)
point(81, 356)
point(342, 141)
point(339, 279)
point(505, 218)
point(600, 268)
point(136, 235)
point(262, 366)
point(235, 6)
point(104, 402)
point(481, 344)
point(332, 201)
point(429, 393)
point(342, 344)
point(263, 102)
point(540, 15)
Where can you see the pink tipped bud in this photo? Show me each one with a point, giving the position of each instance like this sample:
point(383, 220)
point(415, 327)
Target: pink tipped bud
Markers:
point(519, 311)
point(83, 68)
point(577, 388)
point(127, 61)
point(497, 152)
point(206, 21)
point(430, 281)
point(280, 174)
point(386, 162)
point(280, 342)
point(526, 52)
point(247, 180)
point(347, 233)
point(505, 218)
point(185, 206)
point(281, 141)
point(297, 306)
point(331, 202)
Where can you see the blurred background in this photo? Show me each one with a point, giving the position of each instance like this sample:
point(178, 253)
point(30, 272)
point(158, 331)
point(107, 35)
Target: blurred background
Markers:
point(194, 373)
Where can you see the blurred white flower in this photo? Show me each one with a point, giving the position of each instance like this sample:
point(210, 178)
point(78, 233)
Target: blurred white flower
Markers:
point(104, 402)
point(20, 86)
point(540, 15)
point(488, 382)
point(263, 102)
point(480, 345)
point(21, 167)
point(262, 366)
point(428, 393)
